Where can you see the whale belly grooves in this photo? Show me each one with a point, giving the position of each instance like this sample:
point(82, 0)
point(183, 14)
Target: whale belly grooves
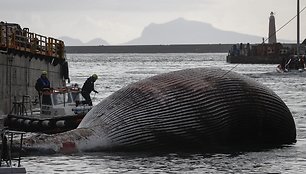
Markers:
point(194, 108)
point(191, 109)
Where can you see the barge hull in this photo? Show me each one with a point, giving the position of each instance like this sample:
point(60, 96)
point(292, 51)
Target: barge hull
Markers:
point(18, 74)
point(254, 59)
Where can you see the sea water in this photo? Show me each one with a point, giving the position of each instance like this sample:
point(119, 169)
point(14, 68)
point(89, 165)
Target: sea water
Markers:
point(118, 70)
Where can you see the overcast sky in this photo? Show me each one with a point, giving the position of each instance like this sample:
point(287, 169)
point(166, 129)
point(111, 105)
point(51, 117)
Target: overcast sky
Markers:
point(119, 21)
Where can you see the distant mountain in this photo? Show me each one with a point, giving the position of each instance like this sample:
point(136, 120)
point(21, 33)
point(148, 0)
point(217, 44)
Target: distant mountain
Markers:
point(97, 41)
point(181, 31)
point(76, 42)
point(71, 41)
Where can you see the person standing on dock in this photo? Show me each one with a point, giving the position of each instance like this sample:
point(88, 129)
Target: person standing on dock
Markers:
point(88, 87)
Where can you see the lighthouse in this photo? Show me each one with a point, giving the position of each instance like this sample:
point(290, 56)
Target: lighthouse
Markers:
point(272, 31)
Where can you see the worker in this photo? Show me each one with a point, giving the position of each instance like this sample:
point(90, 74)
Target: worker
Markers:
point(88, 87)
point(42, 82)
point(4, 153)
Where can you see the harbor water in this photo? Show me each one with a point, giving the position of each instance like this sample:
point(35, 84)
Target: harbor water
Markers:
point(118, 70)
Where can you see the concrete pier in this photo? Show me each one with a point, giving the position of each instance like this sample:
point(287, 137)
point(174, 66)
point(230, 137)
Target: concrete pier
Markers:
point(18, 75)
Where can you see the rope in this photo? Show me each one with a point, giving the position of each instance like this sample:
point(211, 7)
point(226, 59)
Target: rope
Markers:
point(229, 70)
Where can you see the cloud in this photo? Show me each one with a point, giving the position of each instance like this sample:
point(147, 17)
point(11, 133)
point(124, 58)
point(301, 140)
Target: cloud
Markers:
point(102, 5)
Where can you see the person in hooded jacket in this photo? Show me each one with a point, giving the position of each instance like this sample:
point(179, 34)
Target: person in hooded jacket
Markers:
point(42, 82)
point(88, 87)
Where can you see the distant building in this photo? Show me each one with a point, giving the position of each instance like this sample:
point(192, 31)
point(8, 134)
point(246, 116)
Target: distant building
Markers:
point(272, 30)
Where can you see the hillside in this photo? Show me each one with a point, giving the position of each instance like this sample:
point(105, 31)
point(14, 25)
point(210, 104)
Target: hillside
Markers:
point(77, 42)
point(189, 32)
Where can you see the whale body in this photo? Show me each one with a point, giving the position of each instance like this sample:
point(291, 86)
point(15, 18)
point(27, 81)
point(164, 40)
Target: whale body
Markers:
point(201, 108)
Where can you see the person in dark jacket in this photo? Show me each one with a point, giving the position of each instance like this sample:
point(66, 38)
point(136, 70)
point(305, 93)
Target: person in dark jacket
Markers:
point(88, 87)
point(42, 82)
point(4, 152)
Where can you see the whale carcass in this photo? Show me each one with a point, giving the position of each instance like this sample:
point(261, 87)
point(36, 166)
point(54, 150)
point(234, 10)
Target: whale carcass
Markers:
point(201, 108)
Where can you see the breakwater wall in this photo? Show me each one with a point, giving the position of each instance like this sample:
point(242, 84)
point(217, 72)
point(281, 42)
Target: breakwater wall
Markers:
point(188, 48)
point(18, 75)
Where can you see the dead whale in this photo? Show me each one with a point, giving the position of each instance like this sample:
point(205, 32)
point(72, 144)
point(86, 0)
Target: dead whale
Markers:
point(202, 108)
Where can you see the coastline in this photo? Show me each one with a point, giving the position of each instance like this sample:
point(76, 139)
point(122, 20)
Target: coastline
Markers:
point(175, 48)
point(179, 48)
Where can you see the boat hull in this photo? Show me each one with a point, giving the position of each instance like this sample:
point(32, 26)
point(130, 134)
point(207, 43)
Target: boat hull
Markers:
point(12, 170)
point(43, 125)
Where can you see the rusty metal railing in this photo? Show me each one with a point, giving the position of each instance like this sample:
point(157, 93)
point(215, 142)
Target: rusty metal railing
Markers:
point(13, 37)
